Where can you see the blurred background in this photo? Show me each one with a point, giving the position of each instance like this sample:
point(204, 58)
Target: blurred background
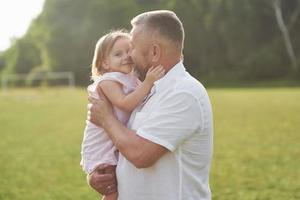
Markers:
point(247, 53)
point(227, 42)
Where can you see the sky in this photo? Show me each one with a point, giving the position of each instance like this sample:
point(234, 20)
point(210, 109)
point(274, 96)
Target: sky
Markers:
point(15, 18)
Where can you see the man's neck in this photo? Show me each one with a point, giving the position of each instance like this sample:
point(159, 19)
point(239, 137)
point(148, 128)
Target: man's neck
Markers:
point(169, 64)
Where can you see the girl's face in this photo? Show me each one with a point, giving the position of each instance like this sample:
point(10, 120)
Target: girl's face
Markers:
point(118, 59)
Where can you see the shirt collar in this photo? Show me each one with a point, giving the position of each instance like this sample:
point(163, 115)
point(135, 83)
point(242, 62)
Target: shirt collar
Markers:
point(172, 74)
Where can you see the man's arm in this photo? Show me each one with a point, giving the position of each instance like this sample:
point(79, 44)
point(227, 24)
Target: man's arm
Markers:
point(140, 152)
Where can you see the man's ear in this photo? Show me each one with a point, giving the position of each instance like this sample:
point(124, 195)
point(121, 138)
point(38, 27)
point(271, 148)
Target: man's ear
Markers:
point(156, 53)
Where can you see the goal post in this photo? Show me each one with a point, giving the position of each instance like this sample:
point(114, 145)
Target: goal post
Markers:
point(69, 76)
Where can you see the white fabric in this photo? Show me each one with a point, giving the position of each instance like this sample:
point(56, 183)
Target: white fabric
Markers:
point(97, 148)
point(178, 116)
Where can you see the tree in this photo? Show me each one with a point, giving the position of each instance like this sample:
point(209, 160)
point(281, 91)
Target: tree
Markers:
point(285, 31)
point(225, 40)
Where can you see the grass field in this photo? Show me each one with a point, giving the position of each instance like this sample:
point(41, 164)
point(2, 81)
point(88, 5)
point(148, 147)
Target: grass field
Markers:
point(256, 152)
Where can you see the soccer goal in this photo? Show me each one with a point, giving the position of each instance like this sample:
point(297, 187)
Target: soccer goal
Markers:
point(67, 78)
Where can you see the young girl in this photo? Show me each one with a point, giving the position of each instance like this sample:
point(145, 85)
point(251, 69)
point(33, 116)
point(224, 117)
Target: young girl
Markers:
point(112, 71)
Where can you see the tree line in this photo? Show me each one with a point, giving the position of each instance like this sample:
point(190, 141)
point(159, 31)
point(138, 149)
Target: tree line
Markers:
point(236, 40)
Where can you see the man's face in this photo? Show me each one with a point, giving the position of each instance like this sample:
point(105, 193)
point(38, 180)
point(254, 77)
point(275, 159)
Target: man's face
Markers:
point(140, 45)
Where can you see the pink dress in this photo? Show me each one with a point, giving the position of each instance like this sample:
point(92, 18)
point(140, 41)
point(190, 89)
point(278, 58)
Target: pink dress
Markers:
point(97, 148)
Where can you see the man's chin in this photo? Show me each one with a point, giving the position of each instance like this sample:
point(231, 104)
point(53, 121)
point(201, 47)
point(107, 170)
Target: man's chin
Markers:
point(141, 70)
point(139, 74)
point(136, 73)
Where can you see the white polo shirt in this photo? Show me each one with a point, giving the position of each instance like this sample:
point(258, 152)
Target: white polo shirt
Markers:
point(178, 116)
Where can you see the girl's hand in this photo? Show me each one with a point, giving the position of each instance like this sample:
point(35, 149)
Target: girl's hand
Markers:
point(155, 73)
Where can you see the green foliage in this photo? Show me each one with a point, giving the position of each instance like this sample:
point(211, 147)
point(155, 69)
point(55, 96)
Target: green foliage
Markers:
point(234, 39)
point(21, 57)
point(256, 144)
point(2, 62)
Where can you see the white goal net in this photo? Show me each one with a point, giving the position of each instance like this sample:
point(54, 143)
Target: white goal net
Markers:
point(65, 77)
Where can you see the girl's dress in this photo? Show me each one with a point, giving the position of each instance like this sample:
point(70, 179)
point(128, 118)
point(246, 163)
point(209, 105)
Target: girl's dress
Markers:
point(97, 148)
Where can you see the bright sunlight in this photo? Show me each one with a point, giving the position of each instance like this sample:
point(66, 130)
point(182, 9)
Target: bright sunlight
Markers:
point(15, 18)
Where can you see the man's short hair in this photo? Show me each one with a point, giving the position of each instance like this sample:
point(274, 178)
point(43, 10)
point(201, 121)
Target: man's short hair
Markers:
point(165, 22)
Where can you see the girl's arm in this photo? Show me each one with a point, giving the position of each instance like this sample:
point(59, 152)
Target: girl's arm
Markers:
point(113, 90)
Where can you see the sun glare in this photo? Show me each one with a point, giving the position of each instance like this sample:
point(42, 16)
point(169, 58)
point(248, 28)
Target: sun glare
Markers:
point(15, 18)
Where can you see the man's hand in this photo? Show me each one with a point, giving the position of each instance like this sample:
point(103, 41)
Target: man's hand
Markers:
point(99, 109)
point(103, 179)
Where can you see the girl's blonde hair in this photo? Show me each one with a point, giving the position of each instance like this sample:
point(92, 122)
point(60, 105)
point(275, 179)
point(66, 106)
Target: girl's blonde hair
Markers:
point(102, 49)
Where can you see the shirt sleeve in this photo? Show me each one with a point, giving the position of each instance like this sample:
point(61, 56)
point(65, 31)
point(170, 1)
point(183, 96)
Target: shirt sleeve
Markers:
point(175, 119)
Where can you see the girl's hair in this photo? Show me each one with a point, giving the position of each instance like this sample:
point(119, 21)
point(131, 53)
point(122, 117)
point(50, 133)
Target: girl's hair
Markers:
point(103, 48)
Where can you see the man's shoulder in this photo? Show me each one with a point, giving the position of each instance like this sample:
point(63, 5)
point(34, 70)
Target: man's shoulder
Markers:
point(189, 85)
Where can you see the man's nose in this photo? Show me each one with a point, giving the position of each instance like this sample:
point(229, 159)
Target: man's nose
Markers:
point(129, 54)
point(129, 58)
point(126, 56)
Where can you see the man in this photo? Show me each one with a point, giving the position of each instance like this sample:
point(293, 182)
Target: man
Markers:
point(166, 150)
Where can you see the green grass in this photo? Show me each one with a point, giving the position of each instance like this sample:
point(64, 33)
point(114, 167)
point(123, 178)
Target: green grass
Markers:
point(41, 132)
point(256, 144)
